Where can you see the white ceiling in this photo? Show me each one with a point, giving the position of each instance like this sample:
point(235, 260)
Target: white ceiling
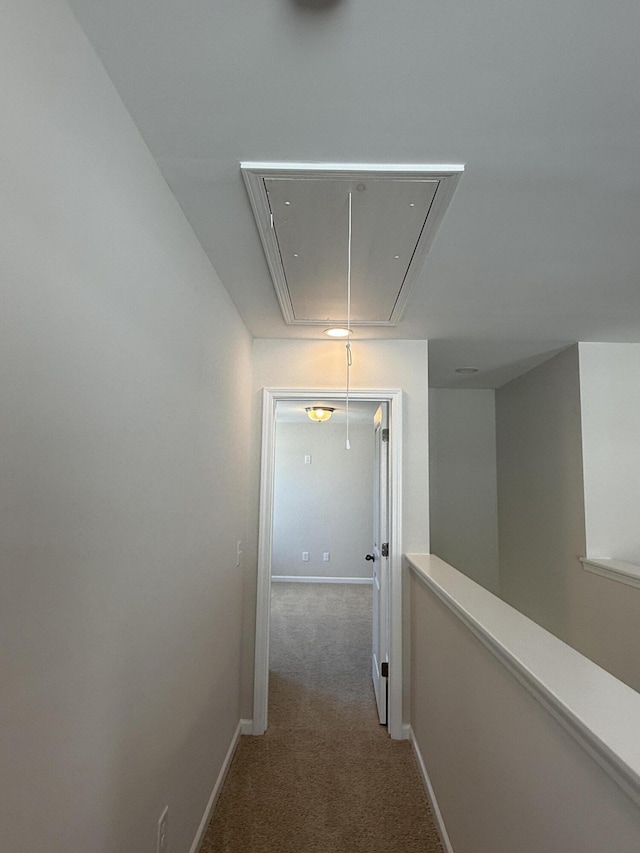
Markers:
point(540, 101)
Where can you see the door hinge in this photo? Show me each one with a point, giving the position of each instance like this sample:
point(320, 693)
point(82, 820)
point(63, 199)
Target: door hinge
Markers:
point(384, 669)
point(385, 549)
point(385, 434)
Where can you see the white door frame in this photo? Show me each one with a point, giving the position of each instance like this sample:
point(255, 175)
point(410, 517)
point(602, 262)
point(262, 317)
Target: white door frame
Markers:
point(271, 396)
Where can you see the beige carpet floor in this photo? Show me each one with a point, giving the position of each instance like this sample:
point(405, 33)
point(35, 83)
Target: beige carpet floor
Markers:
point(326, 777)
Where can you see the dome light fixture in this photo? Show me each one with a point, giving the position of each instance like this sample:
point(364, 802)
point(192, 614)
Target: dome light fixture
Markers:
point(319, 414)
point(338, 332)
point(467, 371)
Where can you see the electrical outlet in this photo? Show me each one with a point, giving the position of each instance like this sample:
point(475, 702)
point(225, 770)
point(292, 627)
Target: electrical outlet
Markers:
point(305, 556)
point(307, 459)
point(163, 841)
point(325, 556)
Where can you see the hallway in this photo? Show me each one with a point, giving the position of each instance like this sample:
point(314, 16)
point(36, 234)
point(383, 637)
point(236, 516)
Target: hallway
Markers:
point(325, 778)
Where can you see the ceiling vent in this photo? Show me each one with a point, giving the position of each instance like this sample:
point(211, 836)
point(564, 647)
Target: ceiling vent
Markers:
point(302, 216)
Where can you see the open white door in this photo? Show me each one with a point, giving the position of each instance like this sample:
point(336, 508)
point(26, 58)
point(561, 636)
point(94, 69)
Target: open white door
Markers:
point(388, 587)
point(380, 634)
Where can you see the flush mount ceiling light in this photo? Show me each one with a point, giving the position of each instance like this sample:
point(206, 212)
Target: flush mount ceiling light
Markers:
point(465, 371)
point(338, 332)
point(300, 212)
point(319, 414)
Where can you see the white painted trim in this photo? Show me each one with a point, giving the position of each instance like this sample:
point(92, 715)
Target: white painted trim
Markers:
point(394, 703)
point(263, 592)
point(615, 570)
point(595, 708)
point(314, 579)
point(246, 727)
point(339, 170)
point(213, 799)
point(270, 396)
point(431, 794)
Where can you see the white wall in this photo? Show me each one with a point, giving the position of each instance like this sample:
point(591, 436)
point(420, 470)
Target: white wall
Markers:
point(463, 482)
point(125, 377)
point(605, 614)
point(321, 364)
point(609, 378)
point(540, 491)
point(326, 505)
point(507, 776)
point(541, 417)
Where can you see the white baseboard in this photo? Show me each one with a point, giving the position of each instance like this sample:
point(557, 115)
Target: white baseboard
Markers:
point(213, 799)
point(437, 814)
point(302, 579)
point(246, 727)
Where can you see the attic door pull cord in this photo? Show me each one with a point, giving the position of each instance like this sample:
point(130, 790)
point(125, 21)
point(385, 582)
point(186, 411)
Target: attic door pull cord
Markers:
point(349, 359)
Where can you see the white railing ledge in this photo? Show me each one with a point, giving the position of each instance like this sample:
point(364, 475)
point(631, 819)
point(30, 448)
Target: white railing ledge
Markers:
point(615, 570)
point(597, 709)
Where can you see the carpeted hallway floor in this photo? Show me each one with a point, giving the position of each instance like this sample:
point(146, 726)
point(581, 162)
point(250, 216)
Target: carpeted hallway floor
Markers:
point(326, 777)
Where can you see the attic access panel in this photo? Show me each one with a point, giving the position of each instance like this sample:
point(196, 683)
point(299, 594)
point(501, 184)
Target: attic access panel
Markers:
point(302, 216)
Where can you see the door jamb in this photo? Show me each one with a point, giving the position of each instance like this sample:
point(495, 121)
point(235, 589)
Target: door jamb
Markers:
point(270, 396)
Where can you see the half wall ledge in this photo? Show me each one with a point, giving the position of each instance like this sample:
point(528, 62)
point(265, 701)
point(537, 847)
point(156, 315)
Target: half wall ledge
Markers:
point(595, 708)
point(615, 570)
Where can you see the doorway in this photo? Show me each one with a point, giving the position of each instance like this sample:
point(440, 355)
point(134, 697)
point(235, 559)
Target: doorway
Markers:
point(393, 604)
